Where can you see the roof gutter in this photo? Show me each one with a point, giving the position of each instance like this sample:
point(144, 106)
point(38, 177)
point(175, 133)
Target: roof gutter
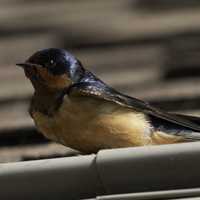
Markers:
point(117, 171)
point(184, 194)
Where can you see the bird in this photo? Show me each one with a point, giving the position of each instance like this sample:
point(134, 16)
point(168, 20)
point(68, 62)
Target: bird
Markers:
point(73, 107)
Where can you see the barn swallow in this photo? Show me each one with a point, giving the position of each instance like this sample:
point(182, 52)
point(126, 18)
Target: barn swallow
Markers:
point(73, 107)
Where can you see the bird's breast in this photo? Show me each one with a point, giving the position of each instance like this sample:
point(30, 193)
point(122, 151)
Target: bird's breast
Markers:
point(89, 124)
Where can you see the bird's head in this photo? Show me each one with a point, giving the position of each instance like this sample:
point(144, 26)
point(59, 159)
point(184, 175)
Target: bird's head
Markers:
point(54, 69)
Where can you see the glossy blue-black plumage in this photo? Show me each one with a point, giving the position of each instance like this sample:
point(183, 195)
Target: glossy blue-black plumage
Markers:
point(58, 62)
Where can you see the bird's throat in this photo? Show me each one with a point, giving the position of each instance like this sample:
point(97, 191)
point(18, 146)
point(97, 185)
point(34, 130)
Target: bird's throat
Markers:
point(46, 101)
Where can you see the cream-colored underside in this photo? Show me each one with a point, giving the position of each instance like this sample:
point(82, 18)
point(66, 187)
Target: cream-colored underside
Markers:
point(89, 125)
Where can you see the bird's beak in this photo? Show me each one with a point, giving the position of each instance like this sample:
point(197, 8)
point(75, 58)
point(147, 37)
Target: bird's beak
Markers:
point(26, 65)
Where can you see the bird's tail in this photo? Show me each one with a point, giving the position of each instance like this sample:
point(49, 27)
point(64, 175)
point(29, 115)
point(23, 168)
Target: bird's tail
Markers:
point(193, 119)
point(191, 136)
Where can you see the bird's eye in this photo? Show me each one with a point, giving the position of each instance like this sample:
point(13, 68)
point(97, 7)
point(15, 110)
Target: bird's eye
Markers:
point(50, 64)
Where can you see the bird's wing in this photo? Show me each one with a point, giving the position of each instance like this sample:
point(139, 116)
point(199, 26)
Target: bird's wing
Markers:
point(98, 89)
point(193, 119)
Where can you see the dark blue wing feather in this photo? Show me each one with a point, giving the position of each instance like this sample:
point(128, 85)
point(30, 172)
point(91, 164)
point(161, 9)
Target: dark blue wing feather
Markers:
point(92, 86)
